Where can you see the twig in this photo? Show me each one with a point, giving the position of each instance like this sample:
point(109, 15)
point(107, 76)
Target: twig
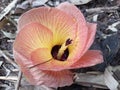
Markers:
point(102, 9)
point(18, 81)
point(15, 70)
point(8, 59)
point(14, 78)
point(7, 9)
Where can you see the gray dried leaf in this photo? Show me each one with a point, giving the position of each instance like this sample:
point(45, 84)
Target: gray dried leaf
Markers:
point(110, 81)
point(31, 87)
point(42, 87)
point(79, 2)
point(7, 87)
point(88, 79)
point(1, 62)
point(36, 3)
point(7, 71)
point(23, 5)
point(95, 17)
point(113, 26)
point(9, 34)
point(8, 9)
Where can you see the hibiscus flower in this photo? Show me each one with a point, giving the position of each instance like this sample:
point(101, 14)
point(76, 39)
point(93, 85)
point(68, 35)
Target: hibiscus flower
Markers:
point(51, 41)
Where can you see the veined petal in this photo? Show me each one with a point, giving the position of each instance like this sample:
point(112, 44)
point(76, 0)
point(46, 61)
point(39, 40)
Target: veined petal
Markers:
point(43, 59)
point(23, 63)
point(90, 58)
point(61, 24)
point(37, 77)
point(78, 44)
point(77, 47)
point(90, 38)
point(41, 56)
point(57, 78)
point(31, 37)
point(91, 35)
point(73, 11)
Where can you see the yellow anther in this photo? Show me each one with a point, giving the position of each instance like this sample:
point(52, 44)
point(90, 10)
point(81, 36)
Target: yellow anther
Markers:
point(61, 51)
point(63, 48)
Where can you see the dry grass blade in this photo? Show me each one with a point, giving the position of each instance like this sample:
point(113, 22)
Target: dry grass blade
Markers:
point(102, 9)
point(7, 9)
point(8, 59)
point(18, 81)
point(13, 78)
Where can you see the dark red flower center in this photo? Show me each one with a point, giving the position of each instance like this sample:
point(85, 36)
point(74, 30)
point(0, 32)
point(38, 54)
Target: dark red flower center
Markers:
point(65, 54)
point(55, 50)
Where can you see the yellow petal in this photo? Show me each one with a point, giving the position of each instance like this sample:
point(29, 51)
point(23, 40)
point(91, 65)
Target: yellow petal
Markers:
point(41, 56)
point(76, 49)
point(78, 44)
point(61, 24)
point(33, 36)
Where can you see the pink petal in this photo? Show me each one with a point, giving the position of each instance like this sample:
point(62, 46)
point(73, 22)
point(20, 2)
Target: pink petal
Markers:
point(43, 59)
point(41, 56)
point(81, 36)
point(91, 35)
point(74, 11)
point(56, 79)
point(31, 37)
point(23, 63)
point(90, 58)
point(49, 78)
point(61, 24)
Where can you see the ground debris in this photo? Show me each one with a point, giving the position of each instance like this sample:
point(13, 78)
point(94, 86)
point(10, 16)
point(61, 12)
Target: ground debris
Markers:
point(106, 13)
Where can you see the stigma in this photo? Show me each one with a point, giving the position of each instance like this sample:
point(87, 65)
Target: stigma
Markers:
point(61, 52)
point(63, 48)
